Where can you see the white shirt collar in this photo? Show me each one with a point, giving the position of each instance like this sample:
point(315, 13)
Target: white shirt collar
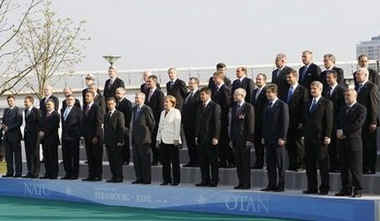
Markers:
point(352, 104)
point(207, 102)
point(333, 87)
point(241, 103)
point(294, 86)
point(242, 78)
point(219, 86)
point(30, 108)
point(194, 91)
point(260, 88)
point(274, 101)
point(330, 68)
point(316, 99)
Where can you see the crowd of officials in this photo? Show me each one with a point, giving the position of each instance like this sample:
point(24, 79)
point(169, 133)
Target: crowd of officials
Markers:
point(309, 115)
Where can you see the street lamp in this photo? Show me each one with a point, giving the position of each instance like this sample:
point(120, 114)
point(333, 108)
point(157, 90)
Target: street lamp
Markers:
point(111, 59)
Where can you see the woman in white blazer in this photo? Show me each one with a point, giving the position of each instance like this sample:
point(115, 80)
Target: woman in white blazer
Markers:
point(169, 140)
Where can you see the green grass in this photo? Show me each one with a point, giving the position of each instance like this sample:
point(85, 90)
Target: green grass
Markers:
point(12, 208)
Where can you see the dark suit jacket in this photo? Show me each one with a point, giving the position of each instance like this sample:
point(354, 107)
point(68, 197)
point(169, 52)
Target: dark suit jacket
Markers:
point(43, 104)
point(125, 107)
point(13, 120)
point(280, 80)
point(373, 77)
point(212, 86)
point(247, 84)
point(369, 98)
point(260, 105)
point(142, 125)
point(156, 103)
point(297, 106)
point(337, 98)
point(312, 74)
point(319, 123)
point(92, 122)
point(189, 110)
point(178, 90)
point(242, 123)
point(114, 128)
point(223, 98)
point(100, 101)
point(71, 127)
point(351, 121)
point(208, 123)
point(109, 90)
point(275, 122)
point(32, 123)
point(50, 125)
point(340, 77)
point(76, 104)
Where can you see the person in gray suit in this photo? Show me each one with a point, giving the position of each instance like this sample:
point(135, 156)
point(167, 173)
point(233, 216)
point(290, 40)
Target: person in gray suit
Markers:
point(12, 121)
point(142, 125)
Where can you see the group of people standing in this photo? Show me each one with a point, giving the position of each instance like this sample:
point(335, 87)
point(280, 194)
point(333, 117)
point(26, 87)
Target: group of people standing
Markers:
point(309, 115)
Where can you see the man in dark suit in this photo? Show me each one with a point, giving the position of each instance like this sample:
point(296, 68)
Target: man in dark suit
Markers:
point(125, 106)
point(48, 96)
point(208, 127)
point(369, 98)
point(275, 129)
point(351, 120)
point(144, 86)
point(113, 83)
point(373, 75)
point(220, 67)
point(31, 129)
point(92, 131)
point(114, 140)
point(329, 63)
point(142, 125)
point(244, 82)
point(297, 98)
point(12, 121)
point(155, 100)
point(318, 126)
point(242, 128)
point(189, 109)
point(309, 72)
point(50, 140)
point(68, 92)
point(222, 96)
point(98, 98)
point(259, 101)
point(71, 118)
point(335, 93)
point(89, 80)
point(279, 75)
point(176, 88)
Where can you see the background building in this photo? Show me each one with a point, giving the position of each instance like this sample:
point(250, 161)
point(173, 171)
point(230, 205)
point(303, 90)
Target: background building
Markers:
point(370, 48)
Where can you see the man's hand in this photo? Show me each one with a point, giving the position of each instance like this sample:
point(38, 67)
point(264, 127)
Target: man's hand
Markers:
point(326, 140)
point(176, 142)
point(119, 144)
point(372, 128)
point(249, 144)
point(300, 126)
point(339, 134)
point(95, 140)
point(158, 144)
point(281, 142)
point(196, 141)
point(262, 141)
point(41, 134)
point(214, 141)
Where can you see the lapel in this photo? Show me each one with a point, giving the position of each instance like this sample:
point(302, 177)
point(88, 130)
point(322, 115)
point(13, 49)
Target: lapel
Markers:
point(70, 113)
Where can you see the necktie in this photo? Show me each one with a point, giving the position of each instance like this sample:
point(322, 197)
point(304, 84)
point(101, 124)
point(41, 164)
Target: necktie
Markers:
point(312, 106)
point(270, 105)
point(329, 91)
point(189, 97)
point(66, 113)
point(258, 92)
point(150, 95)
point(290, 94)
point(304, 72)
point(27, 113)
point(137, 113)
point(360, 86)
point(278, 73)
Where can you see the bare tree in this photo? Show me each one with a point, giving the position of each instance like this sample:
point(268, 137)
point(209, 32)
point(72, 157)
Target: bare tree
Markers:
point(13, 15)
point(59, 42)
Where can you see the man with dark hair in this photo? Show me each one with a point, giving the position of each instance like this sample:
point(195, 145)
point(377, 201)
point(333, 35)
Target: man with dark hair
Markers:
point(318, 126)
point(12, 121)
point(190, 107)
point(275, 129)
point(220, 67)
point(279, 75)
point(244, 82)
point(259, 101)
point(309, 72)
point(329, 63)
point(92, 131)
point(98, 98)
point(89, 80)
point(208, 121)
point(48, 91)
point(68, 92)
point(297, 98)
point(71, 118)
point(176, 87)
point(112, 83)
point(222, 96)
point(335, 93)
point(114, 140)
point(144, 86)
point(155, 100)
point(32, 152)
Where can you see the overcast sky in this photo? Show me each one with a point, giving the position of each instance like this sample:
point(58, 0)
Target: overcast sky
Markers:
point(163, 33)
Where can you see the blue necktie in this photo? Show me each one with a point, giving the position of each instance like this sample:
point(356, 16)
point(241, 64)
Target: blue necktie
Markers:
point(359, 87)
point(312, 106)
point(290, 94)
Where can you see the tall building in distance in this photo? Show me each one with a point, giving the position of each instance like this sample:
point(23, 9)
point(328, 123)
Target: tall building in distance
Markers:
point(370, 48)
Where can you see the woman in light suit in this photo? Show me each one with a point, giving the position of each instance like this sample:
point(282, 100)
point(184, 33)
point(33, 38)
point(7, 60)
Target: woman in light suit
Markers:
point(169, 141)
